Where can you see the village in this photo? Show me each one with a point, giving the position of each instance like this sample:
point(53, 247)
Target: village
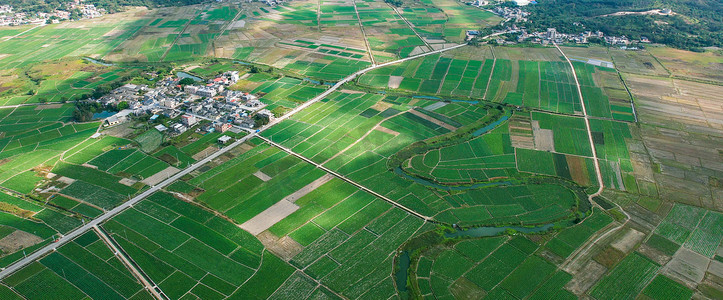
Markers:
point(188, 105)
point(72, 10)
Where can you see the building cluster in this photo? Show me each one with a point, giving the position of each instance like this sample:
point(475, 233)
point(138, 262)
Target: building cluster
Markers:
point(85, 11)
point(552, 35)
point(511, 13)
point(225, 109)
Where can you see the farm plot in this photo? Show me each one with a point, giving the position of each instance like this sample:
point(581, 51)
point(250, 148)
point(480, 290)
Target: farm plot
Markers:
point(280, 94)
point(604, 93)
point(368, 145)
point(233, 189)
point(326, 128)
point(187, 249)
point(83, 268)
point(355, 261)
point(488, 266)
point(435, 75)
point(469, 161)
point(388, 35)
point(568, 135)
point(693, 228)
point(569, 239)
point(27, 226)
point(94, 37)
point(460, 18)
point(615, 285)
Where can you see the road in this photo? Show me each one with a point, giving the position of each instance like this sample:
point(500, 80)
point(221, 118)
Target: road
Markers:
point(115, 211)
point(580, 252)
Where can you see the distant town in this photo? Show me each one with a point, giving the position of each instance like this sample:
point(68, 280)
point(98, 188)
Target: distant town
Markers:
point(72, 10)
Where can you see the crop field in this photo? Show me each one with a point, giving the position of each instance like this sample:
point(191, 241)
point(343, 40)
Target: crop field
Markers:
point(62, 80)
point(327, 128)
point(469, 161)
point(434, 75)
point(693, 228)
point(95, 37)
point(233, 189)
point(360, 146)
point(665, 288)
point(82, 268)
point(32, 224)
point(569, 239)
point(489, 266)
point(567, 135)
point(604, 93)
point(388, 35)
point(164, 236)
point(354, 257)
point(280, 94)
point(616, 284)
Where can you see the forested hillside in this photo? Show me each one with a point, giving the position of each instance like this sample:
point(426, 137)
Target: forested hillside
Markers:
point(693, 24)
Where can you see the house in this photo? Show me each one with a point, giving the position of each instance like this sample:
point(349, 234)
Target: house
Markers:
point(224, 139)
point(118, 118)
point(189, 120)
point(179, 128)
point(221, 127)
point(206, 92)
point(161, 128)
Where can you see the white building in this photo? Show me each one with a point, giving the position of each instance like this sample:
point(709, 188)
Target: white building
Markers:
point(189, 120)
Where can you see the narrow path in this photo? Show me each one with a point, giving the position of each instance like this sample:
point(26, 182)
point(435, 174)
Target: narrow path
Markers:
point(146, 282)
point(411, 27)
point(19, 34)
point(492, 73)
point(342, 177)
point(580, 252)
point(363, 136)
point(366, 41)
point(117, 210)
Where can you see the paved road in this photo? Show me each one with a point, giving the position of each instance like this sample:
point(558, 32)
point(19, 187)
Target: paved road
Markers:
point(111, 213)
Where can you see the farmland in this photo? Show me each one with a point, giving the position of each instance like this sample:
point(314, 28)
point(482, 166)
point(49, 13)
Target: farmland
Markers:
point(465, 174)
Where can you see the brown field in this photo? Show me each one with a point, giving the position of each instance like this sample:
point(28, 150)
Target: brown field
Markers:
point(707, 66)
point(682, 133)
point(594, 52)
point(526, 53)
point(637, 62)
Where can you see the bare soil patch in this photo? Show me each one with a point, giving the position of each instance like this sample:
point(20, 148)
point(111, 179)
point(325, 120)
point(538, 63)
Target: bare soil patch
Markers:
point(286, 248)
point(160, 176)
point(18, 240)
point(262, 176)
point(269, 217)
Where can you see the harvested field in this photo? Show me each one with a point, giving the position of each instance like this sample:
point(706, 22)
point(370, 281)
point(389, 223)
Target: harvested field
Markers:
point(161, 176)
point(18, 240)
point(269, 217)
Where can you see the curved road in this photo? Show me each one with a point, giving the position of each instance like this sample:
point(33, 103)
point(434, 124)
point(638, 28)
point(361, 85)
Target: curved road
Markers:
point(111, 213)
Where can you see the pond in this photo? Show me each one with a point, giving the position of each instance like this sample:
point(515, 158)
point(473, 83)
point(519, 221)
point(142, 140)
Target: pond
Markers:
point(492, 231)
point(446, 100)
point(186, 75)
point(319, 82)
point(489, 127)
point(97, 62)
point(400, 172)
point(103, 114)
point(403, 272)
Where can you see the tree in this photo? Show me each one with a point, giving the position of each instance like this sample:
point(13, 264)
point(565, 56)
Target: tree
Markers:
point(186, 81)
point(122, 105)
